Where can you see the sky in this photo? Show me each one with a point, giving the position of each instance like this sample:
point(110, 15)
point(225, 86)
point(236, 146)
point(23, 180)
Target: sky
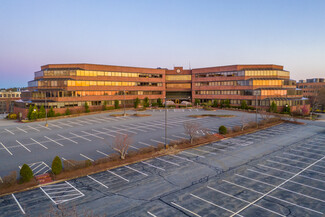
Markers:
point(161, 33)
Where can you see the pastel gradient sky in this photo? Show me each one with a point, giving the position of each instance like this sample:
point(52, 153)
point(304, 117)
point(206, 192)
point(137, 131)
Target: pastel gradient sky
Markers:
point(166, 33)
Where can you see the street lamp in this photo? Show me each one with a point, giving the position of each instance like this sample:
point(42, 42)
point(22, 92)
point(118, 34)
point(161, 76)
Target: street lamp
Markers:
point(165, 122)
point(124, 104)
point(256, 92)
point(46, 124)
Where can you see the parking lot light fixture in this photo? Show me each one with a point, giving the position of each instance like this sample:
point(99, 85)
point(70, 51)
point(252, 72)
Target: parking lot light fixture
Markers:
point(124, 104)
point(166, 122)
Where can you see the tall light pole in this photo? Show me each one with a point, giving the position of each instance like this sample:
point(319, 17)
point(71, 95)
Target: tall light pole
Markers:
point(256, 107)
point(124, 104)
point(46, 124)
point(165, 122)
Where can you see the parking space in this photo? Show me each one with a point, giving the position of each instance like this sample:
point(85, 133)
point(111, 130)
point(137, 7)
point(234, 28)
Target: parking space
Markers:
point(285, 184)
point(38, 168)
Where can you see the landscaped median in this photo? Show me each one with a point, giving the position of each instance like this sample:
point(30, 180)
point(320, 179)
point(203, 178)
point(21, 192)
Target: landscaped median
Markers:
point(73, 169)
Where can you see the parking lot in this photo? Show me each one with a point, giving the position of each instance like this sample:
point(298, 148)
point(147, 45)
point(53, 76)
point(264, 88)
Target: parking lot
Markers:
point(33, 142)
point(203, 181)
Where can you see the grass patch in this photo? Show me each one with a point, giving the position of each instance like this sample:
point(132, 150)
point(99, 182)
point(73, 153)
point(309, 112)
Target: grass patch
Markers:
point(211, 115)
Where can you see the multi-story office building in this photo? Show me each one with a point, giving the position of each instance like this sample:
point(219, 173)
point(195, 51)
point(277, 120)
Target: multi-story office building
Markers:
point(256, 84)
point(71, 85)
point(7, 99)
point(311, 86)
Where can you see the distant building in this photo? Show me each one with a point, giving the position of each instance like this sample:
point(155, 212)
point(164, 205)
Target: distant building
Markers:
point(7, 99)
point(310, 86)
point(72, 85)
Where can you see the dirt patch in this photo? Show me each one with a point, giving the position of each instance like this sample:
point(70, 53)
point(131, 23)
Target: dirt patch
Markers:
point(141, 115)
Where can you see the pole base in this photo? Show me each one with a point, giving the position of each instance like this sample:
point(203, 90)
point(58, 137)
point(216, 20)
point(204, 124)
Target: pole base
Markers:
point(46, 125)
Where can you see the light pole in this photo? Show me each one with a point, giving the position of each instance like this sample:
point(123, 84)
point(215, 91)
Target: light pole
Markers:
point(256, 107)
point(124, 104)
point(166, 122)
point(46, 124)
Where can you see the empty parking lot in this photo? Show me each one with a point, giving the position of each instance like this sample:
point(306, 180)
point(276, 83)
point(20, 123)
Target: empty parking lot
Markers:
point(211, 180)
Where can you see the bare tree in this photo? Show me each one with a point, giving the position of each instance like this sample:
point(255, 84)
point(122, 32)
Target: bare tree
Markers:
point(321, 97)
point(265, 115)
point(121, 144)
point(191, 129)
point(244, 122)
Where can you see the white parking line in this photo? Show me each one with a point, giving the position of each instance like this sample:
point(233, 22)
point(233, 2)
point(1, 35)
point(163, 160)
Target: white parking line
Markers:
point(97, 181)
point(218, 149)
point(75, 122)
point(307, 177)
point(150, 165)
point(86, 157)
point(213, 204)
point(119, 129)
point(183, 158)
point(186, 152)
point(285, 189)
point(187, 210)
point(167, 161)
point(151, 214)
point(34, 128)
point(315, 149)
point(39, 143)
point(6, 148)
point(307, 152)
point(68, 161)
point(180, 137)
point(98, 122)
point(52, 125)
point(118, 175)
point(92, 135)
point(310, 158)
point(159, 142)
point(136, 170)
point(289, 165)
point(100, 132)
point(23, 145)
point(22, 130)
point(209, 152)
point(102, 153)
point(135, 128)
point(22, 210)
point(9, 131)
point(278, 186)
point(298, 161)
point(53, 141)
point(68, 139)
point(80, 136)
point(134, 147)
point(146, 144)
point(229, 195)
point(44, 127)
point(65, 124)
point(265, 195)
point(168, 138)
point(278, 177)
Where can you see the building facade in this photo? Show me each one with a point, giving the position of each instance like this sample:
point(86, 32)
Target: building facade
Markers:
point(311, 86)
point(7, 99)
point(70, 86)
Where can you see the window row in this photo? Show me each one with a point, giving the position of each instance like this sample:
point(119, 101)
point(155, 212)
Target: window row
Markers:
point(220, 74)
point(178, 77)
point(41, 95)
point(95, 73)
point(243, 92)
point(225, 83)
point(72, 83)
point(9, 95)
point(267, 82)
point(267, 73)
point(178, 85)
